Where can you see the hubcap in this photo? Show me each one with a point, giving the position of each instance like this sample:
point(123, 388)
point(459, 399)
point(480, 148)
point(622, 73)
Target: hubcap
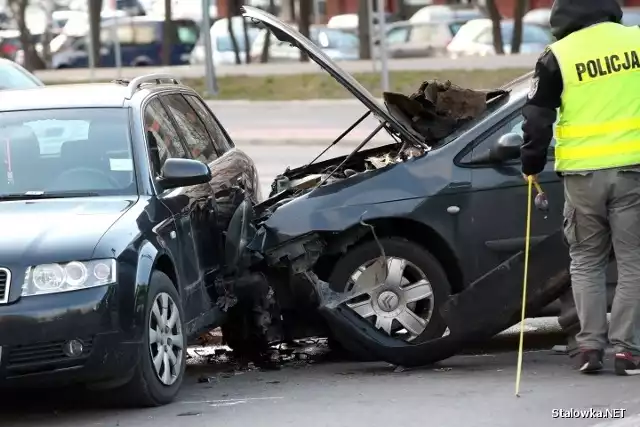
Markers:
point(165, 339)
point(397, 296)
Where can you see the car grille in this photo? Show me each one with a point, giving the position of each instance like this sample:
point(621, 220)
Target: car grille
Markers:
point(5, 282)
point(43, 353)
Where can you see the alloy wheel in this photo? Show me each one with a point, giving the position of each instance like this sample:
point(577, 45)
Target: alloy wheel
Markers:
point(398, 299)
point(166, 343)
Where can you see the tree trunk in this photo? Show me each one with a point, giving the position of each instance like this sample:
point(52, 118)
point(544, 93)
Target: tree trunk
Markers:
point(496, 19)
point(516, 40)
point(32, 60)
point(304, 23)
point(95, 9)
point(264, 57)
point(247, 46)
point(231, 12)
point(363, 29)
point(167, 34)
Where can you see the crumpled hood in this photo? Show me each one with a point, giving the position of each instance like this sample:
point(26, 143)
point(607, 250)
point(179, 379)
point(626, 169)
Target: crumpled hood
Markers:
point(568, 16)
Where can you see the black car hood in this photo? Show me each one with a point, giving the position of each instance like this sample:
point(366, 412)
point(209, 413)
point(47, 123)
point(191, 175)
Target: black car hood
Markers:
point(568, 16)
point(55, 230)
point(286, 33)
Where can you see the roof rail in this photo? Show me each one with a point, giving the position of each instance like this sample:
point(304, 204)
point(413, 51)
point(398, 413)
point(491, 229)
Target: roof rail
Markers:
point(135, 84)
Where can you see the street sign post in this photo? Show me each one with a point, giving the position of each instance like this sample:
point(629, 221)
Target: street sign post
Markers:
point(384, 69)
point(209, 66)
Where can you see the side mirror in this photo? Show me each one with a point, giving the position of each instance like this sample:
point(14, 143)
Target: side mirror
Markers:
point(183, 173)
point(507, 148)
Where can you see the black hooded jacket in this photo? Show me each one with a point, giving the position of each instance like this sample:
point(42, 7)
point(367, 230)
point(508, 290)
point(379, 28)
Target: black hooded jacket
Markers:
point(567, 16)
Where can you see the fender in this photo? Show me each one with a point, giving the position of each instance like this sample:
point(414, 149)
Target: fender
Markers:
point(148, 256)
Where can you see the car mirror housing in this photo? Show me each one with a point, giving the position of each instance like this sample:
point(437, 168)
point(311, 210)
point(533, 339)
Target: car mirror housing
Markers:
point(507, 148)
point(183, 173)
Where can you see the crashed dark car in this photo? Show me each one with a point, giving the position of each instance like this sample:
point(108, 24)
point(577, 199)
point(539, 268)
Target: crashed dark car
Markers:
point(444, 202)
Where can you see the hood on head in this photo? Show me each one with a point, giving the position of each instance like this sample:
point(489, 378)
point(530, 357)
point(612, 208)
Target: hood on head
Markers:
point(568, 16)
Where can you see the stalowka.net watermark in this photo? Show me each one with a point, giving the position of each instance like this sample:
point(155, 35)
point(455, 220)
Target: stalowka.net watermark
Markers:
point(588, 413)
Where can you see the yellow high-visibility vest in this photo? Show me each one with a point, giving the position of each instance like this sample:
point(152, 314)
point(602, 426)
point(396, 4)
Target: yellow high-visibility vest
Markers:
point(599, 117)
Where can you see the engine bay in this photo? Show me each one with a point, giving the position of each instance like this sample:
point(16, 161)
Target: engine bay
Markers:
point(334, 170)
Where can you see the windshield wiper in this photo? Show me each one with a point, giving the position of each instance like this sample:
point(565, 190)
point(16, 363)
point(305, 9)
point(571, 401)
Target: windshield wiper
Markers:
point(30, 195)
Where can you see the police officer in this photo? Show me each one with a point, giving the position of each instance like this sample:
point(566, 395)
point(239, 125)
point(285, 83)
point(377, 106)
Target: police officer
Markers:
point(591, 75)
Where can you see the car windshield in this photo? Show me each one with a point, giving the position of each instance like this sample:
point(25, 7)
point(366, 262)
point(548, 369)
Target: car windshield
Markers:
point(66, 152)
point(11, 77)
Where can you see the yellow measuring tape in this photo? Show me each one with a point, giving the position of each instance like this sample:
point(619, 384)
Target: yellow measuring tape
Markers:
point(524, 281)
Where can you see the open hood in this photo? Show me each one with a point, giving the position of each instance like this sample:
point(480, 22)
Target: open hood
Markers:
point(286, 33)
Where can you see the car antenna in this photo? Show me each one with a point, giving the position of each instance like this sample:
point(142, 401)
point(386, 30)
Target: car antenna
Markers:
point(341, 137)
point(362, 144)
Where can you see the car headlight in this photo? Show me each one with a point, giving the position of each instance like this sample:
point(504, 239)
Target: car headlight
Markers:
point(53, 278)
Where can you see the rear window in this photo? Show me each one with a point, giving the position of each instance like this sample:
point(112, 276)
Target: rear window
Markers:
point(66, 150)
point(454, 27)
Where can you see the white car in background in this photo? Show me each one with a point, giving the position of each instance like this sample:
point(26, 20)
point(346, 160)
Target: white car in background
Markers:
point(221, 43)
point(475, 38)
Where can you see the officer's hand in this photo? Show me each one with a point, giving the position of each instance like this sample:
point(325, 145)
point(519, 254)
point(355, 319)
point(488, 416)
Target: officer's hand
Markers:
point(526, 178)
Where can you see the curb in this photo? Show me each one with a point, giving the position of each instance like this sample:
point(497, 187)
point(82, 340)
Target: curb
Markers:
point(262, 142)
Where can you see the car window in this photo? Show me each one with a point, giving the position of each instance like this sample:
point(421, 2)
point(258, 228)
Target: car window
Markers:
point(187, 34)
point(191, 127)
point(66, 150)
point(398, 35)
point(144, 34)
point(220, 140)
point(162, 137)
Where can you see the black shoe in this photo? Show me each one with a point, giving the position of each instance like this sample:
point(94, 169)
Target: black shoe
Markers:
point(591, 361)
point(627, 364)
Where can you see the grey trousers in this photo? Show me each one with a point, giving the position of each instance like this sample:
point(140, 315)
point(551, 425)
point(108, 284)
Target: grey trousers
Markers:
point(601, 212)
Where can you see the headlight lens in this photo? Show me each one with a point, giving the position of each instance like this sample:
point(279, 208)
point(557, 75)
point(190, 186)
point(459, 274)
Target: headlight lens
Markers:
point(74, 275)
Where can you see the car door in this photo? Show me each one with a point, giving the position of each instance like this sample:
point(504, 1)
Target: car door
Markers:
point(495, 222)
point(234, 174)
point(201, 213)
point(164, 142)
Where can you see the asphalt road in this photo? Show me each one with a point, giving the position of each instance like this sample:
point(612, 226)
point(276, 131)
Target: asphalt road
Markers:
point(196, 71)
point(475, 389)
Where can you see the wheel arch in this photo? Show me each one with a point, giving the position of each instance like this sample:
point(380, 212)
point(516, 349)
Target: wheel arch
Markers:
point(409, 229)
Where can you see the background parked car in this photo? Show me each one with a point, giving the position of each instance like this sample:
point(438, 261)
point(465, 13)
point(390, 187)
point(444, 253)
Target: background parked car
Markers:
point(336, 44)
point(140, 43)
point(13, 76)
point(419, 39)
point(221, 43)
point(436, 13)
point(540, 16)
point(476, 38)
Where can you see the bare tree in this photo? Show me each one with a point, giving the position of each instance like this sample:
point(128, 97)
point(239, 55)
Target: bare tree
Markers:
point(516, 38)
point(363, 29)
point(304, 23)
point(496, 19)
point(232, 10)
point(32, 60)
point(95, 9)
point(167, 33)
point(264, 57)
point(247, 46)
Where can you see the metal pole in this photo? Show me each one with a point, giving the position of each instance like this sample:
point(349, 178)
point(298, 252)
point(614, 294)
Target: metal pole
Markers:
point(116, 44)
point(383, 46)
point(209, 66)
point(372, 39)
point(316, 12)
point(92, 60)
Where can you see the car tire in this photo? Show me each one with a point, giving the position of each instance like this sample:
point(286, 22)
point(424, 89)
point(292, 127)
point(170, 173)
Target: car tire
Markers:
point(146, 389)
point(418, 256)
